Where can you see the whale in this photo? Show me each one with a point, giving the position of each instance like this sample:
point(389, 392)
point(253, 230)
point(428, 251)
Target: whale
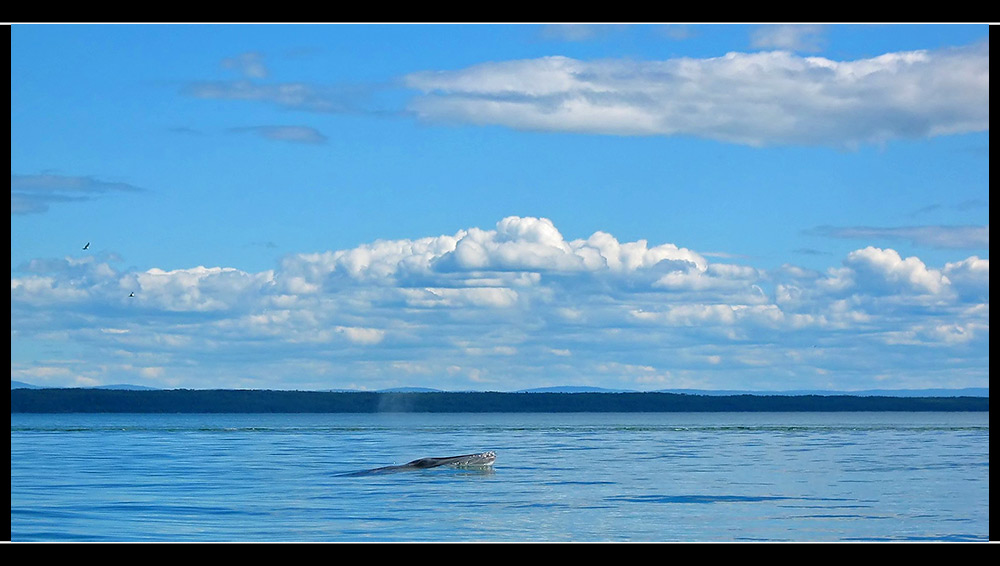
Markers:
point(480, 460)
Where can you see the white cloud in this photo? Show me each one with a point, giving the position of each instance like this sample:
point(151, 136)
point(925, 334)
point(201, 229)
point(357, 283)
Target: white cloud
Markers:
point(44, 290)
point(510, 255)
point(885, 266)
point(766, 98)
point(936, 335)
point(717, 276)
point(523, 306)
point(462, 297)
point(970, 277)
point(720, 314)
point(196, 289)
point(365, 336)
point(973, 270)
point(758, 98)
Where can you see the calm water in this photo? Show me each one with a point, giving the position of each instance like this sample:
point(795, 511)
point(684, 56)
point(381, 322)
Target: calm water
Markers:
point(558, 477)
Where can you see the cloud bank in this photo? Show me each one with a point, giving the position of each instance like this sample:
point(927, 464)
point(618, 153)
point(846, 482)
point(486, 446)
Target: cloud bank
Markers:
point(507, 307)
point(758, 99)
point(768, 98)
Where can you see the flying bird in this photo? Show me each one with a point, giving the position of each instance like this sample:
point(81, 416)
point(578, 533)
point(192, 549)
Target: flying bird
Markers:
point(131, 294)
point(87, 246)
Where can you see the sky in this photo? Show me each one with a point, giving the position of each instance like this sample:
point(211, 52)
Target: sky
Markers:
point(500, 207)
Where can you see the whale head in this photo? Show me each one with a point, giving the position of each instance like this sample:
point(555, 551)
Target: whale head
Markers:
point(481, 459)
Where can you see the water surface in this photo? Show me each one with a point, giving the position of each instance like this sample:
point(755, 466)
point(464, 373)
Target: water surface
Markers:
point(557, 477)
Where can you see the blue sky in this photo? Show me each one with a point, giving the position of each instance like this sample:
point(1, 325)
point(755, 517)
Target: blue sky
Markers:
point(498, 207)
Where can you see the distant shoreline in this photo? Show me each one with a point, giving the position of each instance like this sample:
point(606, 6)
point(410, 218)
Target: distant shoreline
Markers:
point(78, 400)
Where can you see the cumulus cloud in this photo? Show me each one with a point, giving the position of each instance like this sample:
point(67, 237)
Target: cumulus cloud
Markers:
point(757, 99)
point(970, 277)
point(885, 266)
point(511, 255)
point(195, 289)
point(506, 307)
point(36, 193)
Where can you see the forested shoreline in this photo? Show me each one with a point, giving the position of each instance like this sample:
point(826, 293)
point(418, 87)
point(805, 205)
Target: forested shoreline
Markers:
point(78, 400)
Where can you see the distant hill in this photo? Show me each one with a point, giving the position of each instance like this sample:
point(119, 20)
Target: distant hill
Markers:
point(573, 389)
point(118, 386)
point(967, 392)
point(93, 400)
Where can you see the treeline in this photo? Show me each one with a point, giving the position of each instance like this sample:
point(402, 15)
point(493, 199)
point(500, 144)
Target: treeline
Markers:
point(268, 401)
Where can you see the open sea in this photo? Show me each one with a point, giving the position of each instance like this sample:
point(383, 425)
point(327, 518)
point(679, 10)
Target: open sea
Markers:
point(569, 477)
